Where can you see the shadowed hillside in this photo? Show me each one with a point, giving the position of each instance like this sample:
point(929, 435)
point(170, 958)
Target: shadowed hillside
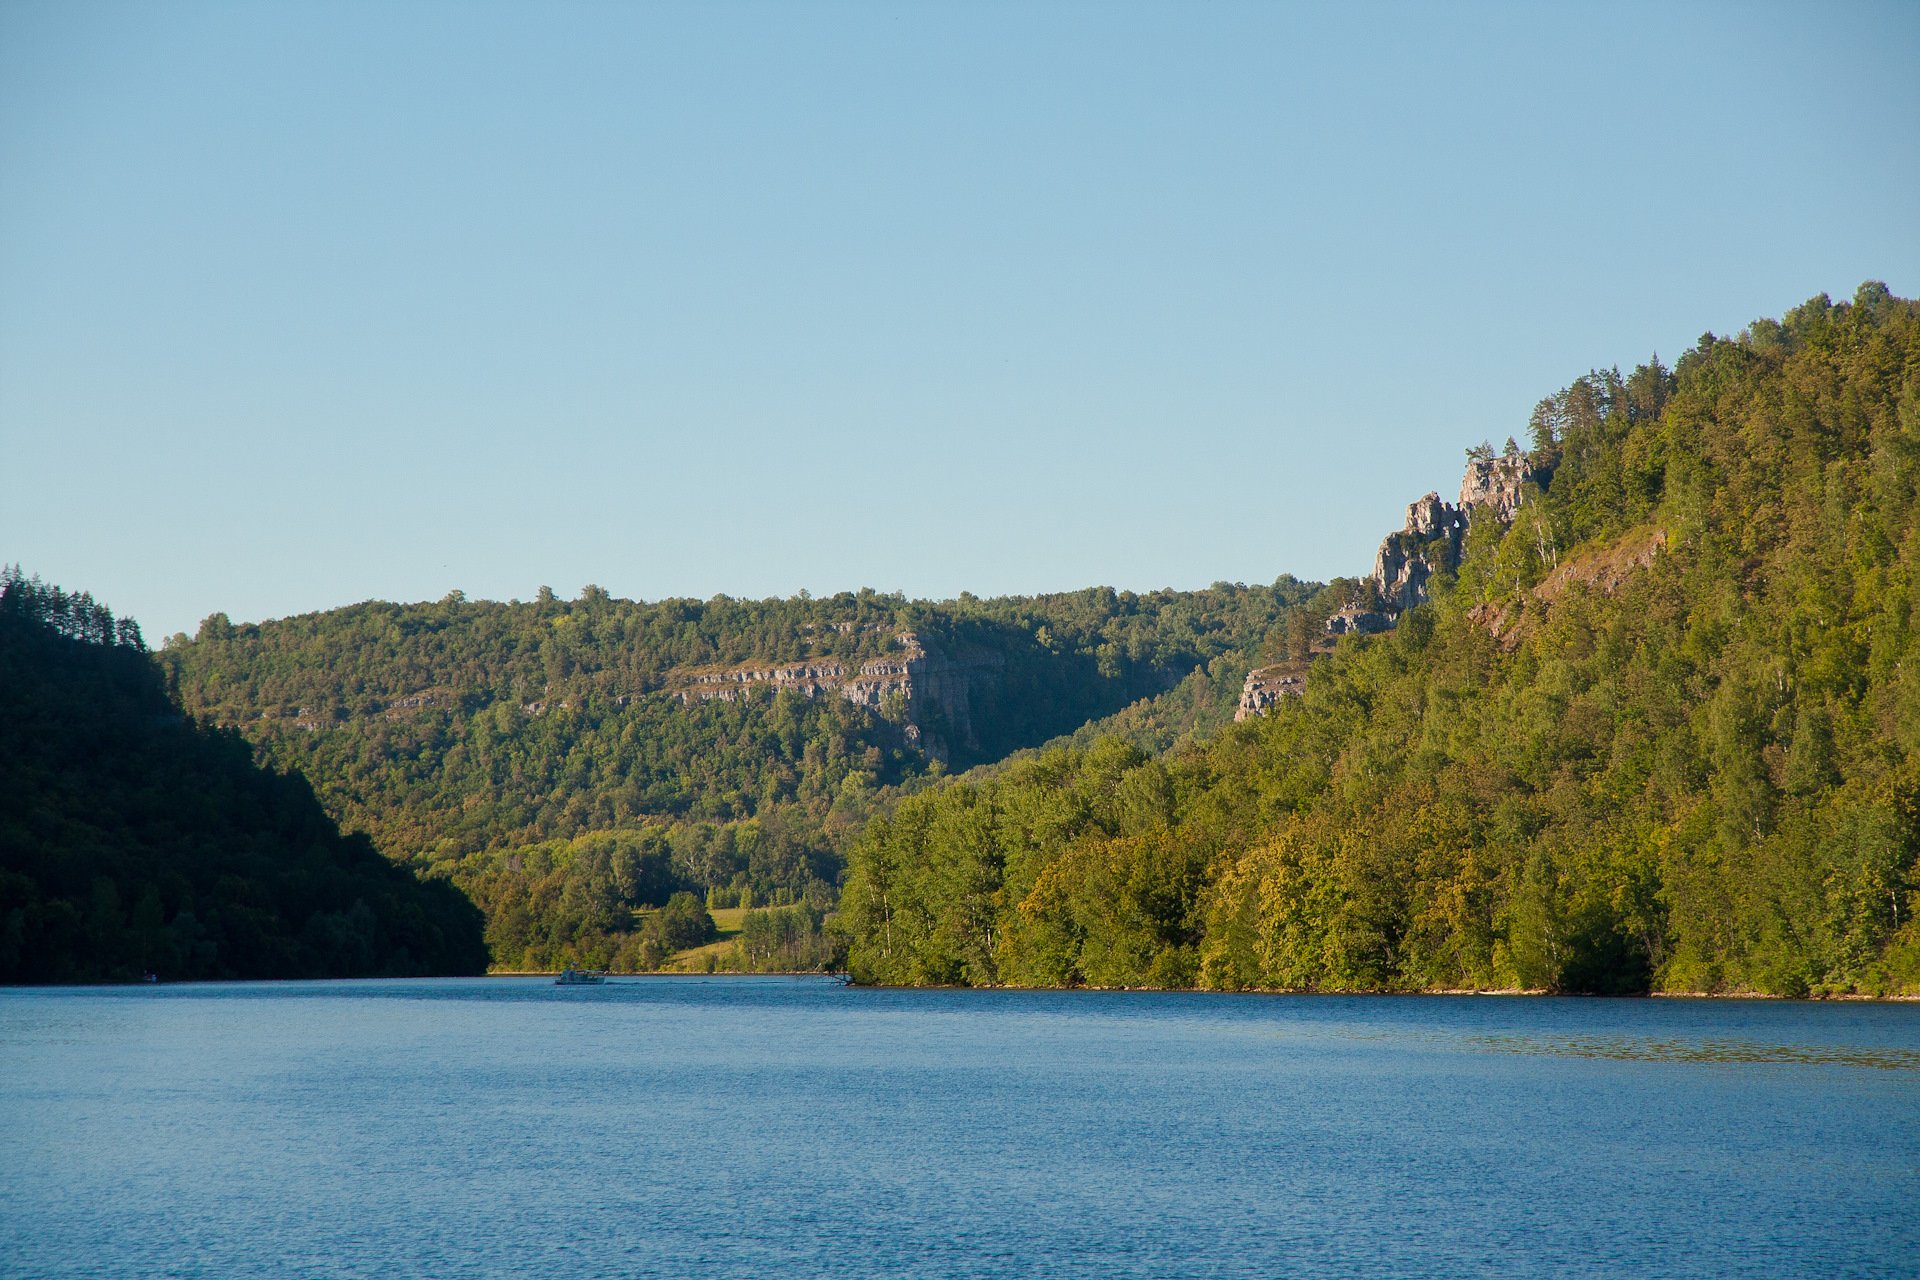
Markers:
point(573, 764)
point(133, 840)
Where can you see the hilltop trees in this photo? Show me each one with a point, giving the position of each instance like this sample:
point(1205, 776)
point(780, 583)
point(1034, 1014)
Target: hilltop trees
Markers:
point(1663, 731)
point(511, 749)
point(133, 840)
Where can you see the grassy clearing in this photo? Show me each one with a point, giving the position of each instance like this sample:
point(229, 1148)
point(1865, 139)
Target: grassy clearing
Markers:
point(729, 920)
point(704, 959)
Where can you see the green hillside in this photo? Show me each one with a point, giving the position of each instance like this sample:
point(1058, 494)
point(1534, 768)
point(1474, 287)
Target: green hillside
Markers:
point(569, 764)
point(1661, 732)
point(134, 841)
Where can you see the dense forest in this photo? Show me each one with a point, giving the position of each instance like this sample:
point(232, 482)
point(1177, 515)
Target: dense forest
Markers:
point(1657, 727)
point(1660, 732)
point(562, 763)
point(134, 841)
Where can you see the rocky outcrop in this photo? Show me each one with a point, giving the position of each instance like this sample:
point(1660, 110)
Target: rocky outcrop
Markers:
point(866, 684)
point(1354, 620)
point(1498, 483)
point(1430, 516)
point(1266, 687)
point(1429, 543)
point(912, 679)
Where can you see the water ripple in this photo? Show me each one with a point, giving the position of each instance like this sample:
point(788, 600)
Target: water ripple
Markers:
point(1643, 1049)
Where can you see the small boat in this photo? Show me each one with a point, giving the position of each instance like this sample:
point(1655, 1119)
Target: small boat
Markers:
point(580, 978)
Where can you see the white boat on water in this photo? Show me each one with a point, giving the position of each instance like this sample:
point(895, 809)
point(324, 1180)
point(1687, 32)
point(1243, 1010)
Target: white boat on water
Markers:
point(580, 978)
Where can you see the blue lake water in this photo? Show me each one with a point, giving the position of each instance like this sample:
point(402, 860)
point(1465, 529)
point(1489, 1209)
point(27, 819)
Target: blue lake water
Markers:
point(796, 1128)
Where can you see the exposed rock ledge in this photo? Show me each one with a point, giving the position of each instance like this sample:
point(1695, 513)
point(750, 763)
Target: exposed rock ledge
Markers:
point(1266, 687)
point(1498, 483)
point(1428, 543)
point(917, 677)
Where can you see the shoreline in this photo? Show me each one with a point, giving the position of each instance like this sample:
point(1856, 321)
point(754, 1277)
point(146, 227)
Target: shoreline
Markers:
point(1490, 992)
point(843, 980)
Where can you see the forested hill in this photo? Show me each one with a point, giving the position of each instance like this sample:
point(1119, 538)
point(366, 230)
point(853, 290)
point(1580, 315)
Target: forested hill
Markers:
point(134, 841)
point(1661, 731)
point(567, 762)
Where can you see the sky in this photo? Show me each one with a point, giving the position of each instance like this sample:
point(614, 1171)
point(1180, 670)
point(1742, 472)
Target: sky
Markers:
point(308, 304)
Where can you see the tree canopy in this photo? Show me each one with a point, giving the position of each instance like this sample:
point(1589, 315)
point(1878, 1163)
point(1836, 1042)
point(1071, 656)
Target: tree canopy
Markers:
point(134, 840)
point(1661, 732)
point(560, 762)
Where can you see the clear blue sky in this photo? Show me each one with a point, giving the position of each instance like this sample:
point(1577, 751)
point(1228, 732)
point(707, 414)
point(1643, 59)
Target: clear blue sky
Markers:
point(305, 304)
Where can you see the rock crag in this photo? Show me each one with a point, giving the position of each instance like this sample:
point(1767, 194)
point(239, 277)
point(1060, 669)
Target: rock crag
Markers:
point(1267, 686)
point(1498, 483)
point(911, 682)
point(1429, 543)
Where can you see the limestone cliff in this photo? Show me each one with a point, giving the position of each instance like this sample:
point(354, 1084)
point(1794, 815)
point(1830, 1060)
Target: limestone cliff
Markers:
point(1498, 483)
point(1429, 543)
point(917, 683)
point(1266, 686)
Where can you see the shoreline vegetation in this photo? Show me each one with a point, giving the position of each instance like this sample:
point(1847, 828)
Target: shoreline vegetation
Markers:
point(1655, 727)
point(1833, 997)
point(1838, 997)
point(1503, 993)
point(1640, 716)
point(135, 840)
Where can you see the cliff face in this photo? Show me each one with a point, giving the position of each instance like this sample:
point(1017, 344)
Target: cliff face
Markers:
point(923, 683)
point(1266, 687)
point(1427, 544)
point(1497, 483)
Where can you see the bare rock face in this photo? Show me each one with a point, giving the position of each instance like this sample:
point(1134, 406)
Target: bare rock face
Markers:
point(1267, 686)
point(1496, 483)
point(1429, 544)
point(1430, 541)
point(941, 679)
point(1400, 573)
point(911, 677)
point(1353, 620)
point(1430, 516)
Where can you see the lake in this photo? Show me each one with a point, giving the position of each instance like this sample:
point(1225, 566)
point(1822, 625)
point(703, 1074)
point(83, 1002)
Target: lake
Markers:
point(795, 1128)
